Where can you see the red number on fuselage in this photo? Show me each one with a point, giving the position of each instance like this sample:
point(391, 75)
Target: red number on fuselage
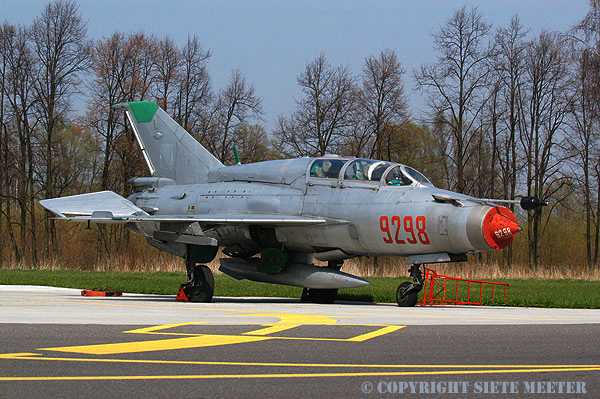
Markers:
point(409, 227)
point(397, 220)
point(385, 227)
point(421, 230)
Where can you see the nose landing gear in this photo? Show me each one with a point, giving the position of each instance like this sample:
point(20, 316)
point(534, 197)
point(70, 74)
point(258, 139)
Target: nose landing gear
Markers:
point(407, 292)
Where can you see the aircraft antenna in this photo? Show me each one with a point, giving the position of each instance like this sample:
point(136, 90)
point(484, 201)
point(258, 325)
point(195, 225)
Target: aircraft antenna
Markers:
point(237, 157)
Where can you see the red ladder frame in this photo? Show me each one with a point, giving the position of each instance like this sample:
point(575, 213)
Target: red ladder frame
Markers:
point(433, 281)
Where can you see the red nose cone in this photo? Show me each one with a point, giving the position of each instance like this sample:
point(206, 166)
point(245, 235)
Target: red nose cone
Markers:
point(500, 227)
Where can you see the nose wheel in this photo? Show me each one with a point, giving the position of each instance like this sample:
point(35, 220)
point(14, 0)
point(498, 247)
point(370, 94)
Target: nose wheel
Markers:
point(406, 297)
point(407, 293)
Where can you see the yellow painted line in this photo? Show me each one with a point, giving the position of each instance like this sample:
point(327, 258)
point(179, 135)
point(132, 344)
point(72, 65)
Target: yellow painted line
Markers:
point(286, 321)
point(311, 339)
point(205, 340)
point(286, 375)
point(294, 318)
point(273, 329)
point(377, 333)
point(17, 355)
point(172, 334)
point(148, 330)
point(26, 356)
point(158, 345)
point(277, 327)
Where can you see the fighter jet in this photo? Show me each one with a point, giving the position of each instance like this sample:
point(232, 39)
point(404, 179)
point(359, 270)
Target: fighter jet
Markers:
point(273, 218)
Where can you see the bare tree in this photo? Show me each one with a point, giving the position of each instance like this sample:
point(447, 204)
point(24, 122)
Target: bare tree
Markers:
point(236, 104)
point(508, 64)
point(123, 69)
point(19, 94)
point(290, 139)
point(141, 65)
point(491, 125)
point(193, 92)
point(544, 101)
point(325, 112)
point(111, 66)
point(382, 100)
point(587, 31)
point(63, 50)
point(456, 81)
point(583, 120)
point(5, 31)
point(585, 123)
point(141, 61)
point(167, 62)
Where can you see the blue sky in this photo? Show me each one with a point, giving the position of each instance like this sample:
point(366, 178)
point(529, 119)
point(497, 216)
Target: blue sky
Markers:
point(271, 41)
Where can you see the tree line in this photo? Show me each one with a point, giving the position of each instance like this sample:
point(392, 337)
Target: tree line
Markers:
point(508, 113)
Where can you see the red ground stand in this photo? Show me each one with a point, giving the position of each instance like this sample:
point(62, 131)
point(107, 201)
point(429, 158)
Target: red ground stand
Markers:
point(101, 293)
point(437, 290)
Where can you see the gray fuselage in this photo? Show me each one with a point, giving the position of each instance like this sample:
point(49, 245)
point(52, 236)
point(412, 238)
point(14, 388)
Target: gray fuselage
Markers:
point(366, 217)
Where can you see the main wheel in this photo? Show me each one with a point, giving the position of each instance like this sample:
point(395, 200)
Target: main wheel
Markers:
point(323, 296)
point(403, 298)
point(202, 287)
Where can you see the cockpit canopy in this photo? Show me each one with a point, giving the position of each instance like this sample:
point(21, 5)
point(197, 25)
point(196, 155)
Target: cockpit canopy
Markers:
point(326, 168)
point(366, 171)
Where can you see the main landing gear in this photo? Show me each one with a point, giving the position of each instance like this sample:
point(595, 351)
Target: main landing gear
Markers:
point(322, 295)
point(407, 292)
point(200, 284)
point(316, 295)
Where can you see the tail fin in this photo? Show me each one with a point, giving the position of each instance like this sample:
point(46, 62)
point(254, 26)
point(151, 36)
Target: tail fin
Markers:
point(169, 150)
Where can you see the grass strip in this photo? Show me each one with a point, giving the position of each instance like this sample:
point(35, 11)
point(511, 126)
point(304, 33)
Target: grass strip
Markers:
point(524, 293)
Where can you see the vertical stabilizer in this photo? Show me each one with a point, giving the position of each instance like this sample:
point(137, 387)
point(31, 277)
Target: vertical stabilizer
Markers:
point(169, 150)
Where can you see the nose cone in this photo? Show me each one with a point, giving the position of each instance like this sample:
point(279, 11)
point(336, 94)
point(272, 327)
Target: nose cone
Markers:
point(500, 227)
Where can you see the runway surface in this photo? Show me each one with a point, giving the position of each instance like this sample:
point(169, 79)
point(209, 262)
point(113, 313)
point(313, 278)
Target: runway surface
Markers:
point(55, 341)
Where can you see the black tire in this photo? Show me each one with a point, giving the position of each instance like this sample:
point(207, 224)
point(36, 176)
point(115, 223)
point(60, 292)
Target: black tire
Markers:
point(322, 296)
point(203, 286)
point(404, 299)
